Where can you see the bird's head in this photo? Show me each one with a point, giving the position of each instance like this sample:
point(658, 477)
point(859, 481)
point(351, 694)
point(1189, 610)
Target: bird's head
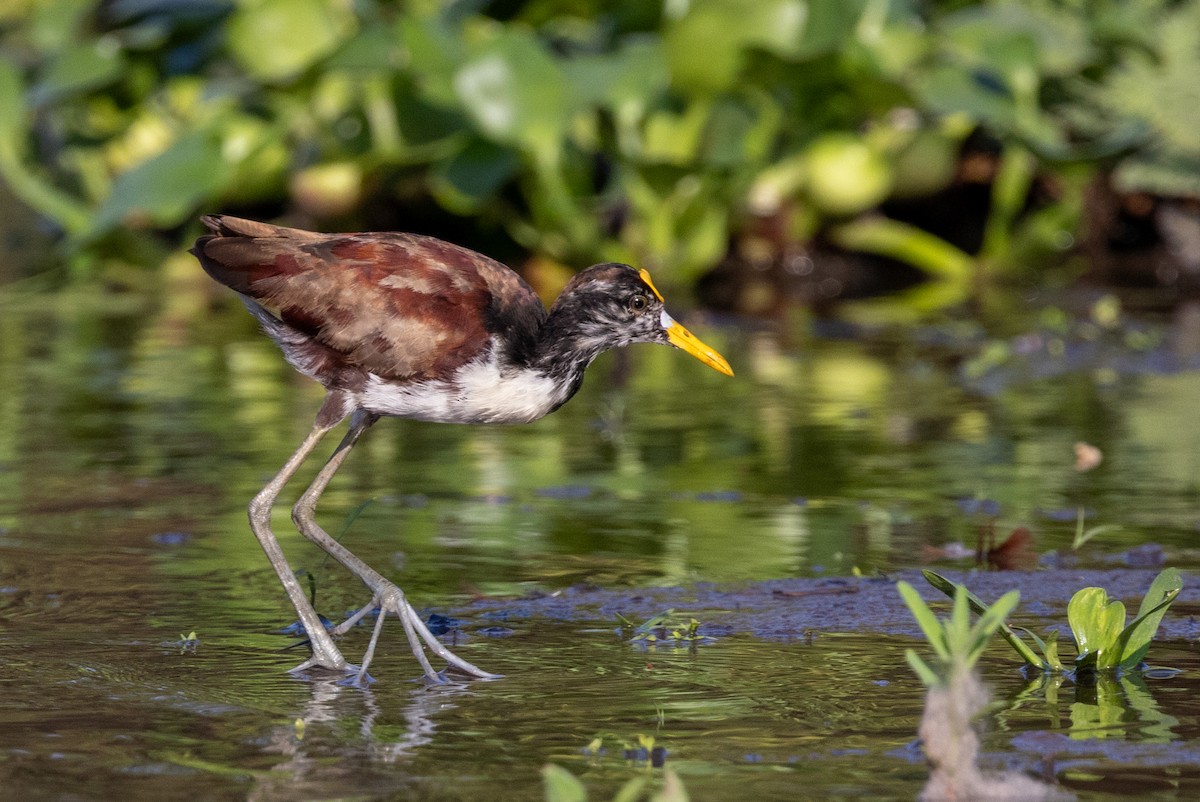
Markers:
point(611, 305)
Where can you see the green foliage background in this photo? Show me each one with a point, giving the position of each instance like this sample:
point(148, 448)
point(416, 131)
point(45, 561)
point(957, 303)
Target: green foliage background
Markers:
point(656, 133)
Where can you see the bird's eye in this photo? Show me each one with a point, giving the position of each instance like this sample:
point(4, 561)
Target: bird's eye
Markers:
point(638, 302)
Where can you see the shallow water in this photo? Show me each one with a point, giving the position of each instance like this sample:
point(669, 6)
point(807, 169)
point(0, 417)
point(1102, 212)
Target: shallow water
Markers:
point(132, 435)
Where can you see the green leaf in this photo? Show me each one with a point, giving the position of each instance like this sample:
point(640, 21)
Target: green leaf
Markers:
point(277, 39)
point(958, 629)
point(631, 791)
point(992, 619)
point(953, 90)
point(1134, 641)
point(1096, 622)
point(926, 674)
point(1168, 581)
point(435, 50)
point(906, 243)
point(516, 93)
point(465, 182)
point(1083, 536)
point(929, 623)
point(167, 188)
point(627, 80)
point(562, 786)
point(79, 69)
point(37, 193)
point(1014, 640)
point(708, 44)
point(1049, 648)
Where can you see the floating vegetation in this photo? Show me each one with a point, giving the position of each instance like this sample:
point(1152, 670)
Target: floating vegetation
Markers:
point(955, 697)
point(665, 627)
point(1104, 641)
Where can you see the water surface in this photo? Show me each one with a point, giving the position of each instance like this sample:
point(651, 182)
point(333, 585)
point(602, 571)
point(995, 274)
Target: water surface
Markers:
point(133, 433)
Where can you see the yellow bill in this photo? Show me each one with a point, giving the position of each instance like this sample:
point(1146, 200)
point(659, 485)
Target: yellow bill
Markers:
point(680, 337)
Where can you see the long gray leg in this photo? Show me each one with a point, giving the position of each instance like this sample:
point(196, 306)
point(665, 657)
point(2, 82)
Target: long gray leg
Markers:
point(325, 653)
point(384, 593)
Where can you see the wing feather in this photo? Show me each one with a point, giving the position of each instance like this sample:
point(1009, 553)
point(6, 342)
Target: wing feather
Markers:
point(400, 306)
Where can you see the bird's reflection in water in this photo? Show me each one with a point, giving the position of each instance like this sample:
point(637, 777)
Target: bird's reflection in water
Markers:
point(307, 746)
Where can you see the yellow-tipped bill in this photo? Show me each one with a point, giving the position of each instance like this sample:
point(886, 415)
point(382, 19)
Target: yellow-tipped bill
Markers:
point(682, 338)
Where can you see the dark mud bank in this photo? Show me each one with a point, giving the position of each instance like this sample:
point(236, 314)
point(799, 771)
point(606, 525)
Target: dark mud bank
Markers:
point(789, 609)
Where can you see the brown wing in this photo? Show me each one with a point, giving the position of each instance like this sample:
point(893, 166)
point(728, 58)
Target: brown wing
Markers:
point(396, 305)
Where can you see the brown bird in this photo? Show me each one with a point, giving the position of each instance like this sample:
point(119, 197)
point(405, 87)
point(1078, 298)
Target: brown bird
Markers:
point(409, 326)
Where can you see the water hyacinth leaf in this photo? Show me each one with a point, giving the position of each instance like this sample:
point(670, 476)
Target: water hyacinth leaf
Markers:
point(1096, 622)
point(1014, 640)
point(373, 49)
point(708, 44)
point(626, 80)
point(829, 27)
point(15, 167)
point(79, 69)
point(516, 93)
point(13, 111)
point(167, 188)
point(434, 52)
point(1009, 37)
point(464, 183)
point(277, 39)
point(952, 90)
point(845, 175)
point(1134, 641)
point(1168, 583)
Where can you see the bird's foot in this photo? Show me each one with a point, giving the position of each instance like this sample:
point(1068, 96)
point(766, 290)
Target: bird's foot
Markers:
point(390, 600)
point(325, 655)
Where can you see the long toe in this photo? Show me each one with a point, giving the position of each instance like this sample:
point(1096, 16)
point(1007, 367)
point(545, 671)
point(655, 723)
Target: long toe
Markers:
point(391, 601)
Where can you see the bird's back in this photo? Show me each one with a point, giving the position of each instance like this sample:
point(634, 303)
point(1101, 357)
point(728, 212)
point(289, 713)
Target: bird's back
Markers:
point(397, 306)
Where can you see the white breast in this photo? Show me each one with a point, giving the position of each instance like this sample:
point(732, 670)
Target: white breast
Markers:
point(481, 392)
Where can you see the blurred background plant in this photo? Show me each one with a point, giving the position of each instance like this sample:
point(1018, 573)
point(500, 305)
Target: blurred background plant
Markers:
point(721, 142)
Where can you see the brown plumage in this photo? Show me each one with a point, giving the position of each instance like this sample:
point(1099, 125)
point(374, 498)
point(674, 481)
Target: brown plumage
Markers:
point(410, 326)
point(401, 306)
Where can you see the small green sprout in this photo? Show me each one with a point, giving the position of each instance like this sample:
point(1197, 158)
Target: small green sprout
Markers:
point(188, 642)
point(1082, 535)
point(1103, 639)
point(665, 627)
point(955, 640)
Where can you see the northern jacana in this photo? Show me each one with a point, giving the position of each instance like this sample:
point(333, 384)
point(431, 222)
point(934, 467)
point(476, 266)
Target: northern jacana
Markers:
point(409, 326)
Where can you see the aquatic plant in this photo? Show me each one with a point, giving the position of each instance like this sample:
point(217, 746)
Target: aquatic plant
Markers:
point(955, 640)
point(1104, 641)
point(652, 132)
point(956, 697)
point(665, 626)
point(189, 642)
point(562, 786)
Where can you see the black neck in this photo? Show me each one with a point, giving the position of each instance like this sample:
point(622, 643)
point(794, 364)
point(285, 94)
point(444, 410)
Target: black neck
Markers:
point(566, 344)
